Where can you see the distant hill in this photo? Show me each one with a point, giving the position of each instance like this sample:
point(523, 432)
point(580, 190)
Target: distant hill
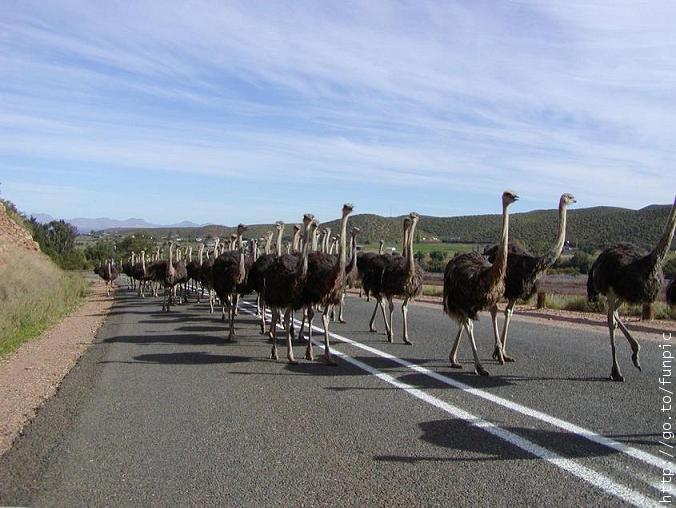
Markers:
point(595, 227)
point(86, 225)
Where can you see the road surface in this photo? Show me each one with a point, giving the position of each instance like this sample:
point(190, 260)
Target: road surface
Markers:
point(161, 411)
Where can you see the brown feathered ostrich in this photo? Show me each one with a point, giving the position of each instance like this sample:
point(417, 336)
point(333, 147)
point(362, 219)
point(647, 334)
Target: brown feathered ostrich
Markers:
point(284, 283)
point(325, 285)
point(371, 267)
point(108, 272)
point(207, 275)
point(127, 269)
point(169, 275)
point(228, 271)
point(473, 284)
point(625, 273)
point(403, 278)
point(523, 272)
point(259, 270)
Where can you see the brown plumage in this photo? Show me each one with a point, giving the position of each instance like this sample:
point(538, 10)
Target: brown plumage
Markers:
point(108, 272)
point(325, 285)
point(472, 284)
point(284, 284)
point(259, 271)
point(228, 272)
point(403, 278)
point(625, 273)
point(523, 272)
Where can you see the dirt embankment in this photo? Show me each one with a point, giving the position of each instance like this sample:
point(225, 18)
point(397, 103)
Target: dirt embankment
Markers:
point(13, 237)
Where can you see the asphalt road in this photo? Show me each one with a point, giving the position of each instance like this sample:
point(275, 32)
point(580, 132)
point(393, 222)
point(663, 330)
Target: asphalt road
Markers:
point(161, 411)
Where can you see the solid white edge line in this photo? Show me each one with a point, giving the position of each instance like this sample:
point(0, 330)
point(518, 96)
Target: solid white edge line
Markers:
point(589, 475)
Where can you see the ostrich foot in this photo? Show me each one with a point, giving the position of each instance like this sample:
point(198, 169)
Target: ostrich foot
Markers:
point(330, 361)
point(480, 371)
point(309, 355)
point(230, 337)
point(407, 342)
point(635, 360)
point(372, 329)
point(507, 357)
point(455, 365)
point(292, 360)
point(389, 337)
point(274, 355)
point(341, 320)
point(616, 376)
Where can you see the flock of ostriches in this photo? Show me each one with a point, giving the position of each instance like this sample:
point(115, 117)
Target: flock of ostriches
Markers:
point(314, 271)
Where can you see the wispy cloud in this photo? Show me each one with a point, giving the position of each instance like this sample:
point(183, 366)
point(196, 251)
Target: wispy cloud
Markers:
point(443, 102)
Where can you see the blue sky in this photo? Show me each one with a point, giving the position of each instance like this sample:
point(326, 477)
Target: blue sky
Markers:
point(230, 112)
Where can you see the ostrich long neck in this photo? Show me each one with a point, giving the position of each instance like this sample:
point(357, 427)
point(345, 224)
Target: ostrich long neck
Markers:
point(353, 249)
point(342, 254)
point(143, 261)
point(553, 254)
point(305, 252)
point(280, 233)
point(660, 251)
point(268, 242)
point(404, 240)
point(381, 248)
point(171, 259)
point(500, 265)
point(410, 260)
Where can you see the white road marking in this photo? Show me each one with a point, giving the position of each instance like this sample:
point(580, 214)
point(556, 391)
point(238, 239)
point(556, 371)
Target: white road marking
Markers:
point(580, 471)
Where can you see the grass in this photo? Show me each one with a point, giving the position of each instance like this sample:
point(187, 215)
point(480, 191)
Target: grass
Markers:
point(34, 295)
point(429, 290)
point(428, 247)
point(580, 304)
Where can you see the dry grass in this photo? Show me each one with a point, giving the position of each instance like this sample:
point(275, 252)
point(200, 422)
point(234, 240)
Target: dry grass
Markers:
point(580, 304)
point(432, 290)
point(34, 294)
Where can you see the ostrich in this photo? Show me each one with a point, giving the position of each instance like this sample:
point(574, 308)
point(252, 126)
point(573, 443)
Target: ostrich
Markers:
point(141, 274)
point(403, 277)
point(625, 273)
point(254, 274)
point(352, 273)
point(193, 268)
point(260, 268)
point(169, 273)
point(325, 285)
point(371, 267)
point(523, 271)
point(127, 270)
point(206, 274)
point(227, 272)
point(108, 272)
point(472, 284)
point(284, 282)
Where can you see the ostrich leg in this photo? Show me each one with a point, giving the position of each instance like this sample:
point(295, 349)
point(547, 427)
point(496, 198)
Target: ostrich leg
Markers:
point(478, 368)
point(341, 319)
point(302, 325)
point(273, 353)
point(509, 310)
point(389, 326)
point(327, 348)
point(372, 321)
point(404, 314)
point(309, 353)
point(615, 374)
point(632, 341)
point(453, 355)
point(497, 352)
point(289, 346)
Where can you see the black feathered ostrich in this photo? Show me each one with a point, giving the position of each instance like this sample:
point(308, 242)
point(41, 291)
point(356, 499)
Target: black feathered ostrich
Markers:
point(108, 272)
point(403, 277)
point(228, 272)
point(284, 283)
point(371, 267)
point(625, 273)
point(523, 272)
point(473, 284)
point(260, 268)
point(325, 285)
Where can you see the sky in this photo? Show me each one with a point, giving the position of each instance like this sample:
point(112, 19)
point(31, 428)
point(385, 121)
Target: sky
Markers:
point(226, 112)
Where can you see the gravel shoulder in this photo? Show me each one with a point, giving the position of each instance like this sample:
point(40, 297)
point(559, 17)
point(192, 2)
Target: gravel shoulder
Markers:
point(34, 372)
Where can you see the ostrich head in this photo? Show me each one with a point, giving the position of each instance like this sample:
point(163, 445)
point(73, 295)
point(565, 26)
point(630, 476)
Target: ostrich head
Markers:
point(296, 227)
point(509, 197)
point(347, 209)
point(308, 218)
point(356, 230)
point(414, 217)
point(279, 225)
point(241, 229)
point(567, 199)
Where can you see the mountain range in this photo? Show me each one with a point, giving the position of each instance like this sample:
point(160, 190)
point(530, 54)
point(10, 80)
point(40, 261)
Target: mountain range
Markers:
point(86, 225)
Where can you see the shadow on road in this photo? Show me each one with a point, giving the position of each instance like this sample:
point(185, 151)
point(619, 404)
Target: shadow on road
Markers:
point(475, 444)
point(189, 358)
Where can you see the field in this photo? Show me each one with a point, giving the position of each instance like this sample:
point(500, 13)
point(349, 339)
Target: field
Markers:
point(34, 294)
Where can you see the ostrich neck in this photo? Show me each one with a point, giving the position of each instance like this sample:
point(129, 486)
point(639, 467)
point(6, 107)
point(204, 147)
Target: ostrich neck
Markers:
point(278, 246)
point(305, 253)
point(410, 261)
point(171, 259)
point(296, 241)
point(404, 241)
point(143, 261)
point(553, 254)
point(500, 265)
point(353, 259)
point(662, 248)
point(201, 254)
point(268, 243)
point(381, 248)
point(342, 254)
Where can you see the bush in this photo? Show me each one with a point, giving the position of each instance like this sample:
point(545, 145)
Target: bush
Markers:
point(669, 268)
